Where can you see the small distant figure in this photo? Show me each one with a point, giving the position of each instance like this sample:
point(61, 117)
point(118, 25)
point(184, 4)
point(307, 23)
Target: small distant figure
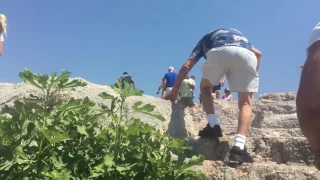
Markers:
point(216, 90)
point(126, 78)
point(3, 30)
point(185, 92)
point(169, 80)
point(161, 88)
point(193, 78)
point(227, 95)
point(199, 97)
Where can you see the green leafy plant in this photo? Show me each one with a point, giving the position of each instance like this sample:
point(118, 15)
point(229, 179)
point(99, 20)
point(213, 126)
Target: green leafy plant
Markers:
point(65, 140)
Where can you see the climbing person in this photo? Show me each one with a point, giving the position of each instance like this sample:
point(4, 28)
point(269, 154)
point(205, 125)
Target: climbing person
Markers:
point(186, 97)
point(216, 90)
point(161, 88)
point(308, 99)
point(126, 78)
point(169, 80)
point(227, 95)
point(228, 53)
point(3, 30)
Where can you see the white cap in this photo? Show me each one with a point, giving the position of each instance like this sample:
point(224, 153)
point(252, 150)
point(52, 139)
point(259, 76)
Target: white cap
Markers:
point(171, 68)
point(315, 35)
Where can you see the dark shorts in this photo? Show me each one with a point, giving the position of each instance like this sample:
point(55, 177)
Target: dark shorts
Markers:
point(216, 88)
point(188, 101)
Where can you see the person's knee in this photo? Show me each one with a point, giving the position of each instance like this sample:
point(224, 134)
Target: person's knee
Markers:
point(205, 86)
point(245, 99)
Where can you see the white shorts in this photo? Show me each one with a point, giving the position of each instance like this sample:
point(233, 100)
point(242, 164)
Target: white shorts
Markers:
point(168, 89)
point(237, 63)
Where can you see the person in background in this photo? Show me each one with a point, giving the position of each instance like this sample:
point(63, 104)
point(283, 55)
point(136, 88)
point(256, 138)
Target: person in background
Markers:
point(161, 87)
point(193, 78)
point(169, 79)
point(216, 90)
point(126, 78)
point(227, 95)
point(185, 92)
point(228, 52)
point(3, 30)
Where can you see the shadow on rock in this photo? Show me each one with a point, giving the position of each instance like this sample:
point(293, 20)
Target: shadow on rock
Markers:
point(177, 126)
point(211, 149)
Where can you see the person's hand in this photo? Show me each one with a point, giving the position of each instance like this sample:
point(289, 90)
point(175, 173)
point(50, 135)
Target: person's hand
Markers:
point(172, 95)
point(158, 92)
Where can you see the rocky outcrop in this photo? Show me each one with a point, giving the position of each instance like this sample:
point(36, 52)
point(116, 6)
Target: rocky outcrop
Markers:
point(274, 139)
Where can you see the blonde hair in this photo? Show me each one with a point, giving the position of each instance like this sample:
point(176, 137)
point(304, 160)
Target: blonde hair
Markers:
point(3, 24)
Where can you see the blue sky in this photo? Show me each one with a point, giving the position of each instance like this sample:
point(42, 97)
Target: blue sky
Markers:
point(100, 39)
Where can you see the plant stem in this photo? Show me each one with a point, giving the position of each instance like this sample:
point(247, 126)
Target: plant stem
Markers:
point(118, 138)
point(39, 154)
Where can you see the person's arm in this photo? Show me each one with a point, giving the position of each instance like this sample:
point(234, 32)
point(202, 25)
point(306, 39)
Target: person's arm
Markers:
point(184, 70)
point(192, 85)
point(160, 87)
point(258, 55)
point(133, 83)
point(0, 48)
point(222, 82)
point(230, 98)
point(1, 44)
point(164, 81)
point(195, 56)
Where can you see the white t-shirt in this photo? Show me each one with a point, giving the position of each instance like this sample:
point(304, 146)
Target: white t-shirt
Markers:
point(1, 38)
point(192, 83)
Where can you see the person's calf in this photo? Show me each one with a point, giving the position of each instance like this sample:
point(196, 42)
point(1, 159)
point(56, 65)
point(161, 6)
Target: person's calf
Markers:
point(244, 121)
point(245, 102)
point(238, 152)
point(212, 129)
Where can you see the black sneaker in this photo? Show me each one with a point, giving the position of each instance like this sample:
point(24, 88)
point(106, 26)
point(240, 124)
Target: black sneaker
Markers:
point(209, 132)
point(238, 155)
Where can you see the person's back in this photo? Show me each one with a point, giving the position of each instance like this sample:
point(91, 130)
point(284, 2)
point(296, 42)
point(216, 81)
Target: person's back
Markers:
point(126, 78)
point(185, 90)
point(186, 93)
point(219, 38)
point(171, 78)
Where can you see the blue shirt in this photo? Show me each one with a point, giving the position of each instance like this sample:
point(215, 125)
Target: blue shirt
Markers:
point(218, 38)
point(171, 78)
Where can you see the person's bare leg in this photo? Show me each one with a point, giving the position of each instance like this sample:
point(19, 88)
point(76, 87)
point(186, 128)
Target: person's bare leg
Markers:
point(206, 97)
point(212, 129)
point(218, 94)
point(245, 103)
point(238, 152)
point(245, 111)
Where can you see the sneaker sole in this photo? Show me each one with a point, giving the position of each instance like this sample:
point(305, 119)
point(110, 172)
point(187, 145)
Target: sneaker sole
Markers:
point(210, 136)
point(237, 158)
point(205, 136)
